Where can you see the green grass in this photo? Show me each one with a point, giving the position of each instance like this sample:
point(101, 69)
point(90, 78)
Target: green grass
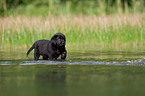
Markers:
point(125, 30)
point(63, 7)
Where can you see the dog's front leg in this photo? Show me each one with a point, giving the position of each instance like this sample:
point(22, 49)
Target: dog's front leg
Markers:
point(63, 55)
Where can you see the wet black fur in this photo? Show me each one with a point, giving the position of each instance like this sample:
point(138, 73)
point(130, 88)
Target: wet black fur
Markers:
point(51, 49)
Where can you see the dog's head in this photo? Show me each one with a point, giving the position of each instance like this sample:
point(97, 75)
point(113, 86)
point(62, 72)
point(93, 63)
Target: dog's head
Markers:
point(58, 40)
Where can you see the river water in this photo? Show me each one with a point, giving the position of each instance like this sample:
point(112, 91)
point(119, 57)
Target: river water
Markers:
point(85, 72)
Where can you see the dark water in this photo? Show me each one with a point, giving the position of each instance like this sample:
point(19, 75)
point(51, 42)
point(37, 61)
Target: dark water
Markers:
point(84, 73)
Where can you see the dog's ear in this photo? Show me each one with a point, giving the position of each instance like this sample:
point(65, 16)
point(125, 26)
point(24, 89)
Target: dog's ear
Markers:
point(53, 42)
point(54, 37)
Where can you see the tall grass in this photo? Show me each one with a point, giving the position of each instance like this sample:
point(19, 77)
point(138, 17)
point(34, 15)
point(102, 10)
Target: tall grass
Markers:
point(113, 30)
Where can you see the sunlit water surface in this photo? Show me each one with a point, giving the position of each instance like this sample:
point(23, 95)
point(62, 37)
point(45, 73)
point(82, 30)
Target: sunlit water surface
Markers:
point(89, 72)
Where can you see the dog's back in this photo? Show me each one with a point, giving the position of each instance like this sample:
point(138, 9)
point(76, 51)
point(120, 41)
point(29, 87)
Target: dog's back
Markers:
point(39, 45)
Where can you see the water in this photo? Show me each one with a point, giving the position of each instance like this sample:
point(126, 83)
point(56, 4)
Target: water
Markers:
point(134, 57)
point(84, 73)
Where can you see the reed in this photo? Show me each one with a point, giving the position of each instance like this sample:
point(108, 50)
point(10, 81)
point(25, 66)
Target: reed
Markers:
point(113, 30)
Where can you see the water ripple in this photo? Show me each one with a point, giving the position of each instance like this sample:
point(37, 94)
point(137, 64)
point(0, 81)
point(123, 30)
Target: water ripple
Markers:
point(72, 62)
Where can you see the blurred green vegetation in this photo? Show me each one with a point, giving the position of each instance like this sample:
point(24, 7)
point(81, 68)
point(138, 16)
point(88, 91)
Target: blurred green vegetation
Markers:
point(77, 19)
point(105, 31)
point(63, 7)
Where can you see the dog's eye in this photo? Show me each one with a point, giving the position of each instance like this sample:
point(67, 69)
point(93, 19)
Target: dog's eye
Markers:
point(61, 38)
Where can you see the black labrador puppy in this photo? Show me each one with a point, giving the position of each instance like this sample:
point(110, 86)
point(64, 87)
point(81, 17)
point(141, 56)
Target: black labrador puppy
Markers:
point(51, 49)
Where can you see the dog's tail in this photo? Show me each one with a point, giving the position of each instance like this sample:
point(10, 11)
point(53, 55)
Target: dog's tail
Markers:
point(32, 47)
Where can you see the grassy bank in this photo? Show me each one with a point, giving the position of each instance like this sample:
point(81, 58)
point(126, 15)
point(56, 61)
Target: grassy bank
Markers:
point(113, 30)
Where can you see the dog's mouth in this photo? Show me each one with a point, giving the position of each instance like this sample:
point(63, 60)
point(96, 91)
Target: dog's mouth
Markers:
point(60, 43)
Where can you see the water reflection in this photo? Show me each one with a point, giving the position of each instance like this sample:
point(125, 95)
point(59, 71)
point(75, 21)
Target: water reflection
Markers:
point(83, 73)
point(32, 81)
point(51, 82)
point(72, 80)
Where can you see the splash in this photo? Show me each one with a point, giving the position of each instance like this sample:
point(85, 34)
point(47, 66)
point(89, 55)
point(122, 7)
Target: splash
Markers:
point(140, 62)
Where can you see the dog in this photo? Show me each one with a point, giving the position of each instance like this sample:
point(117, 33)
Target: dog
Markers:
point(51, 49)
